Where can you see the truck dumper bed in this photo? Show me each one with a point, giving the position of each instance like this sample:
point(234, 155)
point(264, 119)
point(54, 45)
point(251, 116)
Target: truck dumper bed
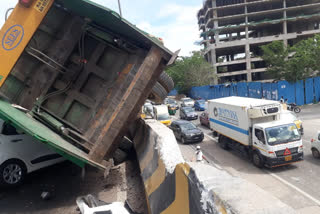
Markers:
point(81, 70)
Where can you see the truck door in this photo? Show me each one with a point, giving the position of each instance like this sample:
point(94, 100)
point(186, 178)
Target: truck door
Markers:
point(259, 141)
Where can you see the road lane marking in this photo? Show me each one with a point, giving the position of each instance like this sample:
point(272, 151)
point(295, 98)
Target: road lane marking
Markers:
point(294, 187)
point(212, 138)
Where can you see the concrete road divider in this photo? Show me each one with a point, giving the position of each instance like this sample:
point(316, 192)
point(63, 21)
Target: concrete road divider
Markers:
point(173, 186)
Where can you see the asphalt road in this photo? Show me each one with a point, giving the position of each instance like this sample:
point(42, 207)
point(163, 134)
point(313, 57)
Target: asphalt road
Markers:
point(297, 185)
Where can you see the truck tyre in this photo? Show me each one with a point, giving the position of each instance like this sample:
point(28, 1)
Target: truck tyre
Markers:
point(315, 153)
point(158, 93)
point(119, 156)
point(126, 145)
point(214, 133)
point(223, 142)
point(166, 81)
point(257, 160)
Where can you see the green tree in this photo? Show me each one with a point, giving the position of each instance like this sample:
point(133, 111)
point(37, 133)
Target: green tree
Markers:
point(191, 71)
point(293, 63)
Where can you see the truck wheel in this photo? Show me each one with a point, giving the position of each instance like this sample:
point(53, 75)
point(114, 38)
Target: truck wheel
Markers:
point(257, 160)
point(223, 142)
point(315, 153)
point(119, 156)
point(166, 81)
point(158, 93)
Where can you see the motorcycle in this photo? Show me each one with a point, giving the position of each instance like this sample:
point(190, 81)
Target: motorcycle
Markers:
point(293, 107)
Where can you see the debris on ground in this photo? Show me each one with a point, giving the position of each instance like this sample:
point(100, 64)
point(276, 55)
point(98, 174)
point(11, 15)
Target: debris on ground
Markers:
point(65, 185)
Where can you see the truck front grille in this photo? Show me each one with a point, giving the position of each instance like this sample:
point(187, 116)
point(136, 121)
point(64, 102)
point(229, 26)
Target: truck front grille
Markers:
point(281, 152)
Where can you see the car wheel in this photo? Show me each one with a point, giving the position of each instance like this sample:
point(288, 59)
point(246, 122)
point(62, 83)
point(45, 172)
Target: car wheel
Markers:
point(257, 160)
point(12, 173)
point(315, 153)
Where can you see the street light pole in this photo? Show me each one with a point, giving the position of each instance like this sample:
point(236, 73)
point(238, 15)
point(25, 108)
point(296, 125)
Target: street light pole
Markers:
point(120, 8)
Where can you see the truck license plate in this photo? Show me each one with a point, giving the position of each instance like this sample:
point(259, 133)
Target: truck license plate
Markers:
point(288, 158)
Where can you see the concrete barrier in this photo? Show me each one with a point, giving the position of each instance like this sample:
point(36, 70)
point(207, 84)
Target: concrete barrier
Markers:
point(173, 186)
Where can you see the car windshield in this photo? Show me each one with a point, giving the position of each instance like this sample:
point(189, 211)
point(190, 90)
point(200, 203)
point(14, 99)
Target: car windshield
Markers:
point(187, 126)
point(187, 100)
point(163, 117)
point(188, 110)
point(171, 102)
point(201, 102)
point(282, 134)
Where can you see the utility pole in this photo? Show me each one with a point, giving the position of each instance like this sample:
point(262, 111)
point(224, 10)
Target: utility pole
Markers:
point(120, 8)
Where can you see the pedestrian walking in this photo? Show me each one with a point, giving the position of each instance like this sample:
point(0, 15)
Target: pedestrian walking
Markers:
point(199, 155)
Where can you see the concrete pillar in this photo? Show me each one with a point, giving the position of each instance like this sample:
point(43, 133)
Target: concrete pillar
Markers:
point(215, 23)
point(247, 47)
point(246, 19)
point(214, 62)
point(285, 27)
point(248, 63)
point(216, 37)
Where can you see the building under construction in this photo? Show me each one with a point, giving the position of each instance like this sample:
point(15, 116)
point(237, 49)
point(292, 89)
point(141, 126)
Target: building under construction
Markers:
point(234, 30)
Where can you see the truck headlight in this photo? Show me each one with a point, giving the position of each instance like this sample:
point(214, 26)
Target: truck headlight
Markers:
point(272, 154)
point(300, 149)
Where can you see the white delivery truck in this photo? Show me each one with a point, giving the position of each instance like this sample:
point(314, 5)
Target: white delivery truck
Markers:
point(253, 126)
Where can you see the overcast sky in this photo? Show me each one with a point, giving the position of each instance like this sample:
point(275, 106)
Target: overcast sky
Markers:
point(173, 20)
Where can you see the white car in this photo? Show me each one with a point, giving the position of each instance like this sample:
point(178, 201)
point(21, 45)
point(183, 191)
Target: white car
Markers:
point(187, 102)
point(21, 154)
point(315, 146)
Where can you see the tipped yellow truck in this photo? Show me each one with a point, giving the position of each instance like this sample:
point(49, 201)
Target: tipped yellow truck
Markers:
point(81, 71)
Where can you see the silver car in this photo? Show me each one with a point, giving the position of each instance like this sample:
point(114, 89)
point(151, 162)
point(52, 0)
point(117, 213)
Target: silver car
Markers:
point(187, 102)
